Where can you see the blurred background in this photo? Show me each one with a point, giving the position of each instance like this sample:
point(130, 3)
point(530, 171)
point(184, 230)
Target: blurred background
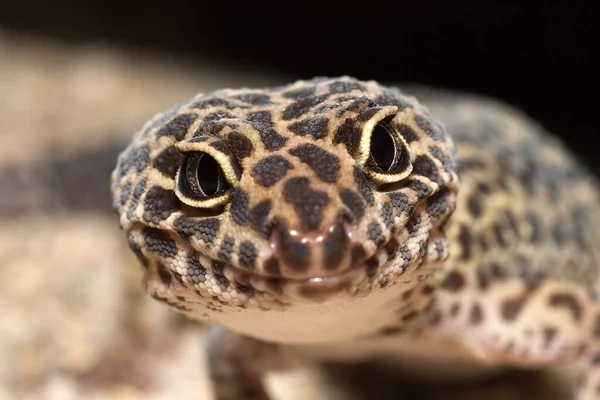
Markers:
point(77, 78)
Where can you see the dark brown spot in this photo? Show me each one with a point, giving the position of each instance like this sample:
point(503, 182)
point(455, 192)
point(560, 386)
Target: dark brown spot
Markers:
point(271, 170)
point(259, 217)
point(426, 126)
point(568, 301)
point(168, 161)
point(365, 187)
point(323, 163)
point(308, 203)
point(159, 204)
point(368, 114)
point(446, 161)
point(428, 290)
point(348, 134)
point(420, 188)
point(410, 316)
point(221, 147)
point(334, 247)
point(164, 274)
point(391, 247)
point(387, 216)
point(239, 210)
point(391, 331)
point(240, 145)
point(497, 271)
point(159, 242)
point(372, 266)
point(302, 106)
point(511, 308)
point(203, 228)
point(178, 126)
point(454, 282)
point(125, 193)
point(376, 233)
point(354, 203)
point(425, 166)
point(137, 250)
point(408, 133)
point(247, 255)
point(226, 248)
point(262, 122)
point(438, 204)
point(476, 314)
point(401, 204)
point(465, 240)
point(475, 205)
point(315, 127)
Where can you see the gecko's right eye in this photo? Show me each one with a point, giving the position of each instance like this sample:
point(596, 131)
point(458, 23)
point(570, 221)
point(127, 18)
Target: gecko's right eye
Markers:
point(201, 181)
point(204, 176)
point(208, 173)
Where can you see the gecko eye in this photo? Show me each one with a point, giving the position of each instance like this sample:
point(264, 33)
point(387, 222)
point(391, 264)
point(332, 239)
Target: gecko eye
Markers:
point(208, 173)
point(383, 147)
point(389, 159)
point(204, 176)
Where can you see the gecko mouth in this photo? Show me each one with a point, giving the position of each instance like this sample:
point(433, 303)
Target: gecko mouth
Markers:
point(198, 272)
point(356, 280)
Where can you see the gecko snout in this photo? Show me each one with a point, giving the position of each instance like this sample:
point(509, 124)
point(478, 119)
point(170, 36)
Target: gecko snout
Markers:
point(319, 253)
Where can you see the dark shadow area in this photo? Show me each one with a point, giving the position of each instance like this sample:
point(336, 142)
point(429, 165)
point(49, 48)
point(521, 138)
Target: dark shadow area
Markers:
point(375, 381)
point(72, 182)
point(536, 55)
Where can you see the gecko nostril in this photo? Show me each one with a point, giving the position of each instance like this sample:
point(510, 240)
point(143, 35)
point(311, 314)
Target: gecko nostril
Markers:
point(337, 243)
point(290, 246)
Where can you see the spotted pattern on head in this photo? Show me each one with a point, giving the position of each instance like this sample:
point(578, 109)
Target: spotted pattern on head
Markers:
point(301, 216)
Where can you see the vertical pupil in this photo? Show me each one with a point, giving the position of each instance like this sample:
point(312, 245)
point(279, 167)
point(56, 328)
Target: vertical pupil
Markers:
point(383, 147)
point(208, 174)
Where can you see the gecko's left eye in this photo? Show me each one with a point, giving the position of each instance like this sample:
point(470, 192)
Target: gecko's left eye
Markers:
point(383, 147)
point(204, 176)
point(208, 173)
point(388, 160)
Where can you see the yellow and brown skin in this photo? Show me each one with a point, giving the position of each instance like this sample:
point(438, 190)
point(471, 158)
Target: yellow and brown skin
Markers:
point(282, 215)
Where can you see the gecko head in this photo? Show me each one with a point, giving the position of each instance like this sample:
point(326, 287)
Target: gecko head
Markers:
point(266, 198)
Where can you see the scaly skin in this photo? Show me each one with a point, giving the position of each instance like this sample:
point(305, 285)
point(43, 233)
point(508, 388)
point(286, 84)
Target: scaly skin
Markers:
point(477, 244)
